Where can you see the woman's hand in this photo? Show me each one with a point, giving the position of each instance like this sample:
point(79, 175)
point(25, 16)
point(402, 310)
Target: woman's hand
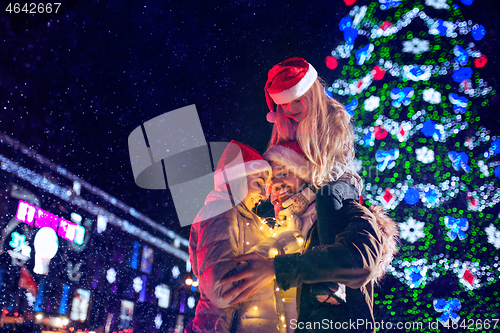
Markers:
point(290, 220)
point(256, 276)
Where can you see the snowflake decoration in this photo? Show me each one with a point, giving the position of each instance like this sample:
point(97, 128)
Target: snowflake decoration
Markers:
point(416, 46)
point(175, 272)
point(137, 284)
point(425, 155)
point(191, 302)
point(432, 96)
point(493, 236)
point(412, 230)
point(438, 4)
point(31, 298)
point(158, 321)
point(111, 275)
point(372, 103)
point(162, 291)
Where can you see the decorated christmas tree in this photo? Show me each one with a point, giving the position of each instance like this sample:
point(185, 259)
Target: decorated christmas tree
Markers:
point(409, 74)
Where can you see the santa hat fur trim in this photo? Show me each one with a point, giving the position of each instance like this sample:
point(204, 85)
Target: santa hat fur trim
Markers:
point(294, 92)
point(291, 156)
point(237, 161)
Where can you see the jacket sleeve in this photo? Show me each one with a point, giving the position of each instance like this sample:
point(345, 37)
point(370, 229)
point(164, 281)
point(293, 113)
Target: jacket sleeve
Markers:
point(351, 259)
point(217, 244)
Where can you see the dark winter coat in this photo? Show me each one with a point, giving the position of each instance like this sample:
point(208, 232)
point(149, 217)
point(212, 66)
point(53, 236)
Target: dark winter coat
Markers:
point(352, 259)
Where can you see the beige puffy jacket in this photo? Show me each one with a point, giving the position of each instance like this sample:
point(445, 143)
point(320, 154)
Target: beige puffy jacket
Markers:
point(213, 242)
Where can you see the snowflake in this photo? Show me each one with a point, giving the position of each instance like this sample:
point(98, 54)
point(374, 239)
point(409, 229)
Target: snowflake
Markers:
point(372, 103)
point(175, 272)
point(111, 275)
point(191, 302)
point(31, 298)
point(438, 4)
point(412, 230)
point(416, 46)
point(158, 321)
point(425, 155)
point(137, 284)
point(493, 236)
point(432, 96)
point(162, 291)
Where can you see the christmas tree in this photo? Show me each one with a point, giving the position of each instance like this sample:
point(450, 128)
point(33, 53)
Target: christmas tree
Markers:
point(409, 74)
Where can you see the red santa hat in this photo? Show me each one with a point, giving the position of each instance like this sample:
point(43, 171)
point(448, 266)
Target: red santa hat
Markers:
point(238, 160)
point(290, 154)
point(287, 81)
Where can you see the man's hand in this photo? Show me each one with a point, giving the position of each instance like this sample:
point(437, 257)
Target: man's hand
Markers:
point(328, 299)
point(256, 276)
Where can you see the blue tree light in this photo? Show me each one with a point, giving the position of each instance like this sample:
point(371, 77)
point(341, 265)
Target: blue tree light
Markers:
point(478, 32)
point(412, 196)
point(462, 74)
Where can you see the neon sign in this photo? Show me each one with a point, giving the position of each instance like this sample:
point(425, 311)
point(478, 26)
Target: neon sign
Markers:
point(40, 218)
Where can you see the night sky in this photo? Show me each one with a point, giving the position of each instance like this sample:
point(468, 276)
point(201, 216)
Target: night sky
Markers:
point(75, 88)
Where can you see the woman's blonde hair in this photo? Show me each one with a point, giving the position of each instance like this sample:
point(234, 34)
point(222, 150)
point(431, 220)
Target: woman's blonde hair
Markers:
point(325, 135)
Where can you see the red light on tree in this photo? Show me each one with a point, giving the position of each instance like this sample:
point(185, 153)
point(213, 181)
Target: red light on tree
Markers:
point(331, 62)
point(380, 133)
point(349, 2)
point(481, 61)
point(386, 25)
point(378, 73)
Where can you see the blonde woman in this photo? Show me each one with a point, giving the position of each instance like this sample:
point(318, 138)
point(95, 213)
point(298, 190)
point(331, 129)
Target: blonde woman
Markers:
point(348, 244)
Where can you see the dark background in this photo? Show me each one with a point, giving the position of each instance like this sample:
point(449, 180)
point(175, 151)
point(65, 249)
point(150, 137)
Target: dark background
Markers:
point(74, 88)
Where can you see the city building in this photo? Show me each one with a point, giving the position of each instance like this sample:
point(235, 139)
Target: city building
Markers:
point(73, 257)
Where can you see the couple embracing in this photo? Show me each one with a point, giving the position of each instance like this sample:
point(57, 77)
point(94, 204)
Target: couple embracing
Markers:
point(317, 270)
